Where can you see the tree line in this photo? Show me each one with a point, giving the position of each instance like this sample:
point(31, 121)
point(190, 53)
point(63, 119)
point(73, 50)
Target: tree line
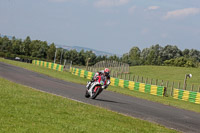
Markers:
point(41, 50)
point(155, 55)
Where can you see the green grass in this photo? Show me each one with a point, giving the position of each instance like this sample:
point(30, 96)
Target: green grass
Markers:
point(72, 78)
point(24, 109)
point(167, 73)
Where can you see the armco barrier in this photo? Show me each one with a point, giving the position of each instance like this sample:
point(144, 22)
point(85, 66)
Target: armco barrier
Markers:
point(82, 73)
point(48, 65)
point(185, 95)
point(147, 88)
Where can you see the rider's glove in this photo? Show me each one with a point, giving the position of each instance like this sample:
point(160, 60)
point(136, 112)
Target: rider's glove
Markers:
point(108, 82)
point(104, 86)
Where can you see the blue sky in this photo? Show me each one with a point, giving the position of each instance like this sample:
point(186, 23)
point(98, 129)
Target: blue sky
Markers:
point(110, 25)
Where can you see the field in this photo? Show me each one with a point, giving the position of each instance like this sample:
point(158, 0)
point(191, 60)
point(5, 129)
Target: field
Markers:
point(72, 78)
point(24, 109)
point(162, 75)
point(167, 73)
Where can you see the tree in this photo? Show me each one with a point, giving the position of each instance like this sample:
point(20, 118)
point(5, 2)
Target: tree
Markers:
point(92, 56)
point(16, 46)
point(42, 52)
point(151, 58)
point(186, 53)
point(35, 51)
point(81, 57)
point(125, 58)
point(170, 52)
point(134, 55)
point(51, 52)
point(114, 57)
point(194, 54)
point(27, 43)
point(6, 45)
point(73, 56)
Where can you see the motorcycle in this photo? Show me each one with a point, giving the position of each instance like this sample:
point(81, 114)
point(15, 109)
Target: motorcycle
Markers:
point(96, 88)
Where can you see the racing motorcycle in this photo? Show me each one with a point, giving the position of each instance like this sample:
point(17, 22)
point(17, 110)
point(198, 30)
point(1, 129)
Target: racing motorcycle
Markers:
point(97, 87)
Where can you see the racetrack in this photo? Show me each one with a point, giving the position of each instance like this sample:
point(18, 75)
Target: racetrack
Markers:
point(182, 120)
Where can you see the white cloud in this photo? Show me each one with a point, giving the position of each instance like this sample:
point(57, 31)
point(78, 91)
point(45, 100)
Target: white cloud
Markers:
point(110, 3)
point(132, 9)
point(182, 13)
point(153, 7)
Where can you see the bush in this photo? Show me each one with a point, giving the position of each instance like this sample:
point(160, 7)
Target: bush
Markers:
point(182, 62)
point(169, 62)
point(2, 54)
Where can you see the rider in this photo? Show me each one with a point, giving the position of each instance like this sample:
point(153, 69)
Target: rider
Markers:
point(105, 77)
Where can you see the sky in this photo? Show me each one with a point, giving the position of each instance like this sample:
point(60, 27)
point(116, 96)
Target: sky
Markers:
point(113, 26)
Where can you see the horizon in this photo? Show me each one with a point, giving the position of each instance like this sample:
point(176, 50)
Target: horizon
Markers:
point(91, 49)
point(113, 26)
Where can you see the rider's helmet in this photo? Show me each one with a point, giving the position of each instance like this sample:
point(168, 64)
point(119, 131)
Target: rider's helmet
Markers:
point(106, 71)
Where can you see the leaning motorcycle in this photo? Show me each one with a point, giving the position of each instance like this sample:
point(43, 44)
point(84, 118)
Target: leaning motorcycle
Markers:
point(96, 88)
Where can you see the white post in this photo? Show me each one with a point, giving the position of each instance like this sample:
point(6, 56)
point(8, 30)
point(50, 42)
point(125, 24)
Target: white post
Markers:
point(55, 56)
point(64, 62)
point(61, 56)
point(71, 64)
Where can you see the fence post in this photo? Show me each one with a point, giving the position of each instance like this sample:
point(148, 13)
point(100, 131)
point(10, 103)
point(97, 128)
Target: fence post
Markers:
point(138, 78)
point(172, 89)
point(142, 80)
point(70, 64)
point(151, 81)
point(133, 77)
point(192, 87)
point(161, 83)
point(165, 92)
point(179, 84)
point(64, 62)
point(167, 84)
point(156, 81)
point(146, 81)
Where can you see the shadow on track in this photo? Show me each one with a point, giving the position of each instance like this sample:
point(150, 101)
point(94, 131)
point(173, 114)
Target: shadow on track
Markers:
point(110, 101)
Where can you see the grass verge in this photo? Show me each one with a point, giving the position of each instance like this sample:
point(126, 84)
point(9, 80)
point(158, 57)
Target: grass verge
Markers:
point(23, 109)
point(72, 78)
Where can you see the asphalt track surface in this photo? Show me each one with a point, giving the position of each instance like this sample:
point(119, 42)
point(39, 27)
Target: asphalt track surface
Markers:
point(179, 119)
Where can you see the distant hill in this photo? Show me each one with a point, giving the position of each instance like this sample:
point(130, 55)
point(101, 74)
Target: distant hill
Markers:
point(97, 52)
point(78, 49)
point(9, 37)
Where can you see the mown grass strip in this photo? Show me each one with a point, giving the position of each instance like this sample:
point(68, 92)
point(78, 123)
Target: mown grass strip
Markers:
point(72, 78)
point(23, 109)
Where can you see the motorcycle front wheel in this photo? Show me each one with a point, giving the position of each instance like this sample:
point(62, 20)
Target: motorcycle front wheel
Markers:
point(98, 91)
point(87, 95)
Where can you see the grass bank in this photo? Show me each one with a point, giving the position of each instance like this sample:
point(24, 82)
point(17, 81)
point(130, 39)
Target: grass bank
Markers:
point(26, 110)
point(72, 78)
point(167, 73)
